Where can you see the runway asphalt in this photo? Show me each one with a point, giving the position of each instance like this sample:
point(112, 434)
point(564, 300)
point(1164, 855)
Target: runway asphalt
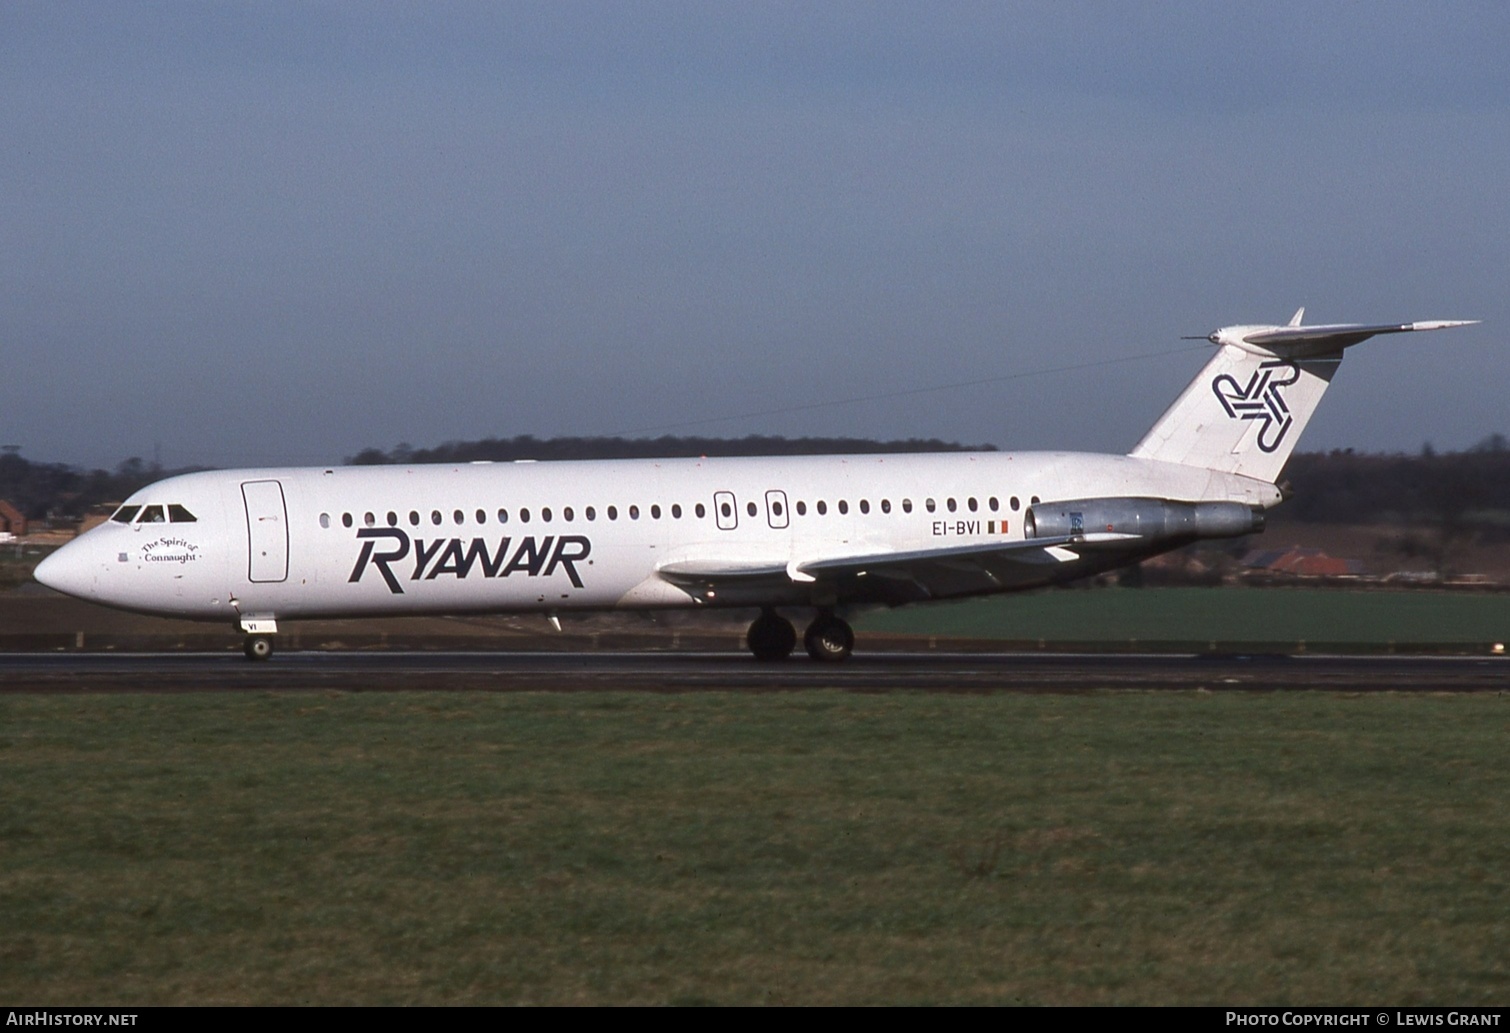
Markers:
point(736, 671)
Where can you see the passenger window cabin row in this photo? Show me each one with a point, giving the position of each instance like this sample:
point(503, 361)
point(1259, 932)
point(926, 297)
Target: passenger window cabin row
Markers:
point(569, 514)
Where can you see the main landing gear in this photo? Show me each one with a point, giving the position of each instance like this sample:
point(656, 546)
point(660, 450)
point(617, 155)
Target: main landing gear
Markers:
point(829, 638)
point(772, 637)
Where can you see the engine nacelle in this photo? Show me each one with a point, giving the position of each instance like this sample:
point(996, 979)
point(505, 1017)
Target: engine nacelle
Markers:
point(1147, 518)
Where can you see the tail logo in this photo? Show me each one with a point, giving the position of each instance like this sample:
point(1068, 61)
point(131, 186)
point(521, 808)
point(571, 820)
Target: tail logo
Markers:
point(1260, 399)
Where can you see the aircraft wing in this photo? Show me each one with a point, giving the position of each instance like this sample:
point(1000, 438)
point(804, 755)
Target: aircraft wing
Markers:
point(904, 576)
point(1030, 550)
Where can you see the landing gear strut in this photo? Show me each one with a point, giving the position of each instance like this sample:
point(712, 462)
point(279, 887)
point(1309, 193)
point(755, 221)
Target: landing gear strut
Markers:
point(829, 638)
point(772, 636)
point(258, 647)
point(258, 644)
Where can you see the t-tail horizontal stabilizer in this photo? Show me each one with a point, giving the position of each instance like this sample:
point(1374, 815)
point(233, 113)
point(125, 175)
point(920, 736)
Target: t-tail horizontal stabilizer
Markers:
point(1244, 412)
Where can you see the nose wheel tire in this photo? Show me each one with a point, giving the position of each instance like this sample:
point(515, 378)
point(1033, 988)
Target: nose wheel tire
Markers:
point(771, 637)
point(829, 638)
point(258, 647)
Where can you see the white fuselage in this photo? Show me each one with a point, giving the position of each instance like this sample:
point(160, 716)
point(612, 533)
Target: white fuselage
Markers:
point(291, 543)
point(255, 547)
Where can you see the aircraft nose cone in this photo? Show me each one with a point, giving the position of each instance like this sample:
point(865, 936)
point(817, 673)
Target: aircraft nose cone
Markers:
point(69, 570)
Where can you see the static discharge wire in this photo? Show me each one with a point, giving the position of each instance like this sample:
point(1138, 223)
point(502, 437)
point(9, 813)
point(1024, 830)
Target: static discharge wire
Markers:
point(908, 392)
point(836, 402)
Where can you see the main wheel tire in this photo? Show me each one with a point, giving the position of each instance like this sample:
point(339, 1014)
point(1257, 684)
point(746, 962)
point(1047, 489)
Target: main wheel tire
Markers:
point(772, 637)
point(829, 639)
point(258, 647)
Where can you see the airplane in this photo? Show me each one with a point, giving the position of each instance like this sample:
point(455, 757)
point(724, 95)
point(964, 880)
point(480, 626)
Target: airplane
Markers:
point(819, 534)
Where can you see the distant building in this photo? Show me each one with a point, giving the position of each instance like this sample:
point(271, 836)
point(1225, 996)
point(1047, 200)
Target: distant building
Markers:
point(98, 514)
point(12, 521)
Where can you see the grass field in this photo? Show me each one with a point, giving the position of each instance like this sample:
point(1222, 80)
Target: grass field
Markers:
point(735, 848)
point(1280, 615)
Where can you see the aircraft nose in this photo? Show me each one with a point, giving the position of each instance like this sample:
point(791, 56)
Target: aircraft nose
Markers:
point(69, 570)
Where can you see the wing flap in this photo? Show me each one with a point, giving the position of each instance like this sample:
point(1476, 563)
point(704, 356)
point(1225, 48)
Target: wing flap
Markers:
point(702, 572)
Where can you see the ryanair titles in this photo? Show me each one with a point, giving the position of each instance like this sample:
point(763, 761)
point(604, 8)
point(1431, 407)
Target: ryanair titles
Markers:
point(384, 548)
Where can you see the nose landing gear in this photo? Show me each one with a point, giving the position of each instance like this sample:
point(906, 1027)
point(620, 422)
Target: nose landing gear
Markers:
point(258, 644)
point(258, 647)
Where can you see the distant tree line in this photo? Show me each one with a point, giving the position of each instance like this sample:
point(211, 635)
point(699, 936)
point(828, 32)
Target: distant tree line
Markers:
point(666, 447)
point(1340, 487)
point(59, 491)
point(42, 490)
point(1445, 490)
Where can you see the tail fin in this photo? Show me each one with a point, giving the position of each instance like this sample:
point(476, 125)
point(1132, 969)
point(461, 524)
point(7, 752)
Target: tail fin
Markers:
point(1244, 412)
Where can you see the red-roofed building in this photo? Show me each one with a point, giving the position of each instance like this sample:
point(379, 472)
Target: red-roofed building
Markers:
point(1301, 562)
point(12, 521)
point(1320, 565)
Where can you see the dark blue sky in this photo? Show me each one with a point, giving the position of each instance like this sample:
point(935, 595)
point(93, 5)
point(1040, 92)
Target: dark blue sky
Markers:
point(261, 232)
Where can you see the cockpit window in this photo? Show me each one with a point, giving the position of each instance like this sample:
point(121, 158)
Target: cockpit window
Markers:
point(152, 515)
point(180, 515)
point(124, 514)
